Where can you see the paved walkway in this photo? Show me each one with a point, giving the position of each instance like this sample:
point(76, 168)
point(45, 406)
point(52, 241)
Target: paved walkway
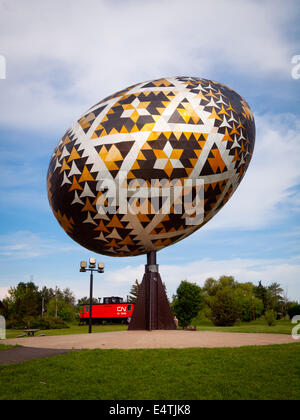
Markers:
point(21, 354)
point(150, 339)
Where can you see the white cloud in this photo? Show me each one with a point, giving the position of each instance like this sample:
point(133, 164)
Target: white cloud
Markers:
point(67, 55)
point(286, 273)
point(118, 282)
point(266, 195)
point(3, 292)
point(27, 245)
point(63, 56)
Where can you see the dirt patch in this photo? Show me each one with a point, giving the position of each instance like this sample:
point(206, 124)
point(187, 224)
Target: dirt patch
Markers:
point(151, 339)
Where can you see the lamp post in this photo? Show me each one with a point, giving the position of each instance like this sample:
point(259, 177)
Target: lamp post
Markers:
point(91, 268)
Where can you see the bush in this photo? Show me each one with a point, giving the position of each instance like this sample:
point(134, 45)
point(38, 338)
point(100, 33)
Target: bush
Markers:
point(270, 317)
point(225, 308)
point(14, 324)
point(43, 323)
point(293, 311)
point(48, 323)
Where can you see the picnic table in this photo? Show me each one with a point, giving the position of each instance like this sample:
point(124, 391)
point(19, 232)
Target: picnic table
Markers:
point(31, 332)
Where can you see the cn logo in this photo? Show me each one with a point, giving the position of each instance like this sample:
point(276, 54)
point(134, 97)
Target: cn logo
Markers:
point(121, 309)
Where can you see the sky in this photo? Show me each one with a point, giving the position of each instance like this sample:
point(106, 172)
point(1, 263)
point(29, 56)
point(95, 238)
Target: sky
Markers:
point(61, 57)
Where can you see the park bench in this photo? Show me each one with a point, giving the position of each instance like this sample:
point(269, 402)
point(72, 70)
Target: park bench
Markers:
point(31, 332)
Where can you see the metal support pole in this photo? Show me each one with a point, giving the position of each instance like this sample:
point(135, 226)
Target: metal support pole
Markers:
point(152, 310)
point(151, 258)
point(91, 302)
point(151, 266)
point(149, 303)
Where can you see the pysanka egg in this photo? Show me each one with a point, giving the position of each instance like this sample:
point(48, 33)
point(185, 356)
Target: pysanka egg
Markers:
point(149, 165)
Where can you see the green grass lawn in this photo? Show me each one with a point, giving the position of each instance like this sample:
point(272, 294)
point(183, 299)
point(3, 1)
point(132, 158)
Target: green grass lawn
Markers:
point(260, 326)
point(267, 372)
point(5, 347)
point(74, 329)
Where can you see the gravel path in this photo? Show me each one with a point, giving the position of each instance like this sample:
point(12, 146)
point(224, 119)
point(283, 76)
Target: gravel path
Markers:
point(150, 339)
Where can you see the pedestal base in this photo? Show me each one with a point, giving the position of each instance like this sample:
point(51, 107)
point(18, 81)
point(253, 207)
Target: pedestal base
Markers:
point(152, 310)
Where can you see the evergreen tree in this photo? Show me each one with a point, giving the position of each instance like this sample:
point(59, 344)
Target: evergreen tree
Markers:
point(262, 293)
point(86, 301)
point(276, 300)
point(134, 291)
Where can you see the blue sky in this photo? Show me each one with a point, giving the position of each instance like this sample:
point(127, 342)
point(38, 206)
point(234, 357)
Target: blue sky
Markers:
point(64, 56)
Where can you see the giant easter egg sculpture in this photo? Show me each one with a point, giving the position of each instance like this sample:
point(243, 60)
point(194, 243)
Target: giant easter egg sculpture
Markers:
point(147, 167)
point(166, 130)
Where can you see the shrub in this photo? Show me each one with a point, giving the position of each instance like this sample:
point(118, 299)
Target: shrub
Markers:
point(225, 308)
point(294, 310)
point(48, 323)
point(43, 323)
point(14, 324)
point(270, 317)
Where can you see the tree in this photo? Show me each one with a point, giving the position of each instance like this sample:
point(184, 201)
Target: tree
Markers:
point(26, 304)
point(252, 301)
point(46, 295)
point(68, 296)
point(86, 301)
point(226, 294)
point(3, 309)
point(65, 310)
point(251, 308)
point(23, 301)
point(272, 297)
point(276, 300)
point(210, 286)
point(228, 281)
point(294, 310)
point(262, 293)
point(225, 307)
point(134, 291)
point(187, 303)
